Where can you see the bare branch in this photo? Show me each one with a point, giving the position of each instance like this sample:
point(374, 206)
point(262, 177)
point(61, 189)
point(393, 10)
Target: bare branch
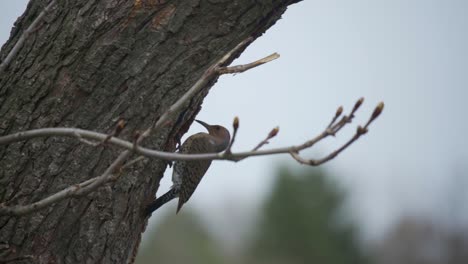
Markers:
point(207, 75)
point(245, 67)
point(72, 191)
point(73, 132)
point(313, 162)
point(359, 132)
point(92, 184)
point(25, 35)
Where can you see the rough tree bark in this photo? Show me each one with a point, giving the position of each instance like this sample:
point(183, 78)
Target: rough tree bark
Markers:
point(86, 65)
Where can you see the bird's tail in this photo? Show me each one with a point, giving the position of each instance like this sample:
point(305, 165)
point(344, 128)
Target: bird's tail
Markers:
point(171, 194)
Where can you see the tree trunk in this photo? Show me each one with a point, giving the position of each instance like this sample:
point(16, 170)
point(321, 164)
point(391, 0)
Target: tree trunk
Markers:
point(87, 64)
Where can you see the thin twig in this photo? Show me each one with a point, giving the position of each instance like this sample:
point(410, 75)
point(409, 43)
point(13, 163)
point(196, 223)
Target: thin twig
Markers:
point(359, 132)
point(338, 113)
point(107, 175)
point(25, 209)
point(316, 162)
point(85, 141)
point(235, 126)
point(272, 134)
point(24, 36)
point(135, 160)
point(245, 67)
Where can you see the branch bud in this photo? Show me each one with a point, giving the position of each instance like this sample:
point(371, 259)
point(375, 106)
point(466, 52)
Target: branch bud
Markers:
point(358, 104)
point(273, 132)
point(235, 123)
point(361, 130)
point(339, 111)
point(378, 110)
point(119, 127)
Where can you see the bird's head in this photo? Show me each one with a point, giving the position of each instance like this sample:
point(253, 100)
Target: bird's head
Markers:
point(220, 134)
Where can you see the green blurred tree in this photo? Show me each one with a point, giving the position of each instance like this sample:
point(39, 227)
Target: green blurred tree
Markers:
point(180, 239)
point(298, 224)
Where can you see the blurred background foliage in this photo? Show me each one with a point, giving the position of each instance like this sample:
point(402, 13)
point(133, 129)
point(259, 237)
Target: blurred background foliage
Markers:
point(180, 239)
point(303, 220)
point(298, 223)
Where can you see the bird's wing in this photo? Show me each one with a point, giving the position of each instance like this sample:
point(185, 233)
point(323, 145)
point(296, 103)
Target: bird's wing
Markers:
point(194, 170)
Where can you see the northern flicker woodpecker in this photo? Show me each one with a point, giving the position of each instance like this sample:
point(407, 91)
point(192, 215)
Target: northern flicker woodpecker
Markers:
point(187, 174)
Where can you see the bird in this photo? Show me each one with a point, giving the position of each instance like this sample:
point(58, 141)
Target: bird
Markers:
point(187, 174)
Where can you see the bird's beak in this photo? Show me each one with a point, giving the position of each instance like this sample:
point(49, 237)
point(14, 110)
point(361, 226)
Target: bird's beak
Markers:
point(204, 124)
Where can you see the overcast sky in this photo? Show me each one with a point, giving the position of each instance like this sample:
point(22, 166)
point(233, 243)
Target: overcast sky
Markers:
point(410, 54)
